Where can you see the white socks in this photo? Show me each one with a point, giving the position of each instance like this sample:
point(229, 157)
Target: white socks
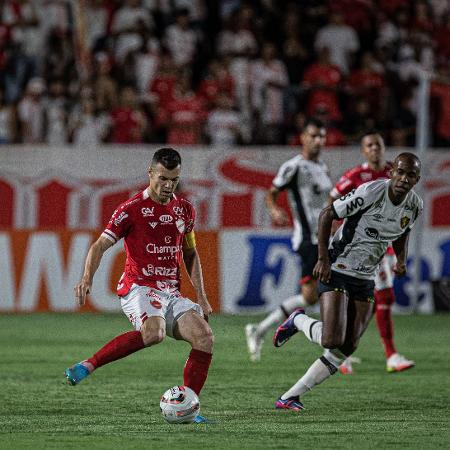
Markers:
point(312, 328)
point(319, 371)
point(279, 314)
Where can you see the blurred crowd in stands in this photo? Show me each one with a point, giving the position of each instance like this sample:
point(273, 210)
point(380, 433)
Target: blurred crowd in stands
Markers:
point(224, 72)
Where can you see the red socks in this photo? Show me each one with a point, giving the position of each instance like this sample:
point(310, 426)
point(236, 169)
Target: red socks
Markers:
point(121, 346)
point(196, 369)
point(383, 302)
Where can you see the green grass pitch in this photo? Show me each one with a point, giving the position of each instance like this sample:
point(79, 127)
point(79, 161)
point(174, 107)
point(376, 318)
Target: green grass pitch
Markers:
point(118, 406)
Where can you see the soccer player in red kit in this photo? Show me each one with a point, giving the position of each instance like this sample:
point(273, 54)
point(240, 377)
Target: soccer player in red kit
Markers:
point(376, 167)
point(158, 231)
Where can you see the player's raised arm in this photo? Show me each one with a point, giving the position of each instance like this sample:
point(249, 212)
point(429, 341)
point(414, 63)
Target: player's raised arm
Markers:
point(93, 259)
point(194, 269)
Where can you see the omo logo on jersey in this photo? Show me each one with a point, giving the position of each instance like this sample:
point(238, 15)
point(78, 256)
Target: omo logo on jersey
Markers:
point(354, 204)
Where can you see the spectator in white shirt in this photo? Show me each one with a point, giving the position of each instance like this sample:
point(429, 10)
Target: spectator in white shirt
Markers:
point(96, 22)
point(31, 112)
point(147, 63)
point(341, 39)
point(239, 43)
point(56, 114)
point(223, 124)
point(269, 79)
point(181, 39)
point(87, 127)
point(126, 24)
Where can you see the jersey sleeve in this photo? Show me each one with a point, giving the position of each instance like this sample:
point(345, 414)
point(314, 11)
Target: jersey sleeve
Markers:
point(343, 186)
point(285, 174)
point(118, 226)
point(358, 199)
point(417, 212)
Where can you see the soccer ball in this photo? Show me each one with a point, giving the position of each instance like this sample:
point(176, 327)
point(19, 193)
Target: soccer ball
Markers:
point(179, 404)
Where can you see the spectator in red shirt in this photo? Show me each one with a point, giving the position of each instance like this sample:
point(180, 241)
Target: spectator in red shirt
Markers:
point(367, 81)
point(322, 79)
point(128, 120)
point(217, 81)
point(162, 85)
point(185, 114)
point(422, 16)
point(442, 38)
point(440, 89)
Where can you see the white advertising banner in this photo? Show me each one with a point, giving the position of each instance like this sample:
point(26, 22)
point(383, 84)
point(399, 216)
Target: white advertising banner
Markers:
point(259, 270)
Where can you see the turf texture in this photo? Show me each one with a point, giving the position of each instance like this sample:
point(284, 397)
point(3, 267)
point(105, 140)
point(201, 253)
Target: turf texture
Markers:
point(118, 406)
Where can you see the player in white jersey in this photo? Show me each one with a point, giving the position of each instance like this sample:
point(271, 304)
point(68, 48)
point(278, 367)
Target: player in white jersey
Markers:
point(375, 167)
point(376, 214)
point(158, 231)
point(306, 179)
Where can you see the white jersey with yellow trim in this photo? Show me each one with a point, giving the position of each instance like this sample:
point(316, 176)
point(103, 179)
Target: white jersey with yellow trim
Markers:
point(371, 223)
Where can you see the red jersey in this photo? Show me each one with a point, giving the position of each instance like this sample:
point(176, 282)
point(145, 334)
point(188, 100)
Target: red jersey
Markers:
point(357, 176)
point(186, 116)
point(325, 75)
point(127, 125)
point(210, 88)
point(162, 86)
point(442, 91)
point(153, 239)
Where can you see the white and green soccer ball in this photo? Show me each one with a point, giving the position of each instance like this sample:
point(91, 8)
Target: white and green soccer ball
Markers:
point(179, 404)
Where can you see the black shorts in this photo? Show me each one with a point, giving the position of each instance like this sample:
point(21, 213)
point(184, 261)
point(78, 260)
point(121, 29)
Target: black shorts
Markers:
point(308, 253)
point(355, 288)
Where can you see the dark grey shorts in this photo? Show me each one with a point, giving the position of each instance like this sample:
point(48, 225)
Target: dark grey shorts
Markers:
point(355, 288)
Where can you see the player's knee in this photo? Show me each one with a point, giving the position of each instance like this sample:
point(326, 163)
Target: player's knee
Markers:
point(153, 336)
point(332, 340)
point(309, 292)
point(204, 340)
point(311, 299)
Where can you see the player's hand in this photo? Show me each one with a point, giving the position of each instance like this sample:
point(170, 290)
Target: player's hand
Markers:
point(399, 269)
point(279, 216)
point(322, 270)
point(81, 290)
point(206, 307)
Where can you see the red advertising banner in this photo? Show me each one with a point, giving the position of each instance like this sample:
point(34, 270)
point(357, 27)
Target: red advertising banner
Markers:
point(39, 269)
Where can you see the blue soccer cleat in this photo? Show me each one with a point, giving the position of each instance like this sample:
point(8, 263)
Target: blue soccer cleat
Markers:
point(78, 372)
point(291, 403)
point(287, 329)
point(201, 419)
